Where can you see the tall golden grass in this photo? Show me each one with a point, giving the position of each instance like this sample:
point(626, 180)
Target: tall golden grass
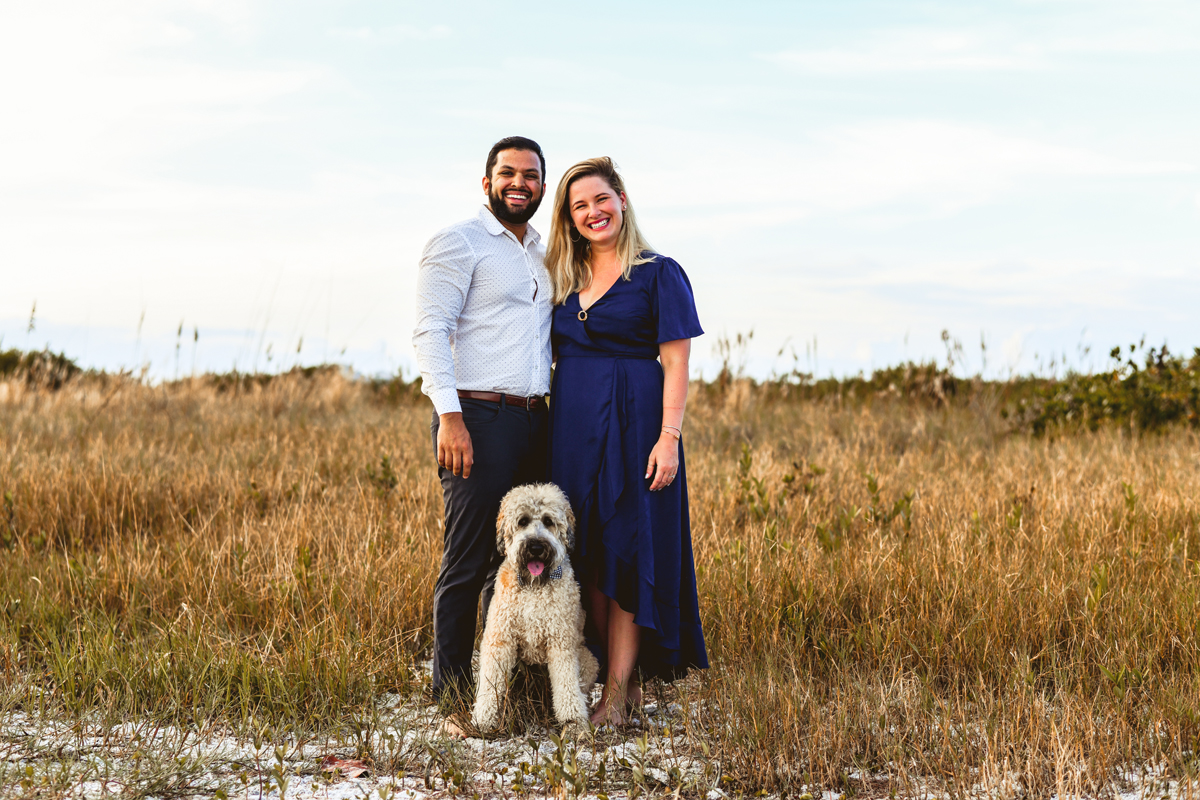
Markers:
point(888, 588)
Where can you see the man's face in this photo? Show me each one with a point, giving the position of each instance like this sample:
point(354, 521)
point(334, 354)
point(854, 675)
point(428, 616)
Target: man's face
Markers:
point(515, 187)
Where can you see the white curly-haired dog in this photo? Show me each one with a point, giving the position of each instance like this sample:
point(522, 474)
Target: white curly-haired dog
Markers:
point(535, 613)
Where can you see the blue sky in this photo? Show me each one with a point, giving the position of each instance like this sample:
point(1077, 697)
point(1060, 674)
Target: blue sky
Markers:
point(859, 174)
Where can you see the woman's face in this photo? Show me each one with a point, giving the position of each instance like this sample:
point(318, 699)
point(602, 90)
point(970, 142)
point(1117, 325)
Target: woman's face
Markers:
point(597, 210)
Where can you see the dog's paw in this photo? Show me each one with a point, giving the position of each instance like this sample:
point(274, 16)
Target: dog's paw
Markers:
point(485, 723)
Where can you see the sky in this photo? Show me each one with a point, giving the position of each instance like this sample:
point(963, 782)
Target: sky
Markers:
point(193, 185)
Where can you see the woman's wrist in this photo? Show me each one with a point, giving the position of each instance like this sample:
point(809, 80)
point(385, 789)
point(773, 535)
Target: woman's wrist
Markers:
point(671, 431)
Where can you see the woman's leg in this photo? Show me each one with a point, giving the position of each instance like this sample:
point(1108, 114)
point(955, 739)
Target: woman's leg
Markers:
point(621, 636)
point(597, 610)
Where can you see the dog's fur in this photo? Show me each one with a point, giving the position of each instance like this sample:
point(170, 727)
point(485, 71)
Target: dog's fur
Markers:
point(535, 619)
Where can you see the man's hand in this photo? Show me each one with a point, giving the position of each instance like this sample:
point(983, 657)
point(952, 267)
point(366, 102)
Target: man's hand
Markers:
point(454, 444)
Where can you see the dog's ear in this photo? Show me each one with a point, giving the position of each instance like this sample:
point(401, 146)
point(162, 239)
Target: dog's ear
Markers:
point(501, 519)
point(570, 537)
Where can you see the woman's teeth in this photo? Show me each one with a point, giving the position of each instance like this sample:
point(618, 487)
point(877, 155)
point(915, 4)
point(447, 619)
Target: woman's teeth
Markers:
point(598, 225)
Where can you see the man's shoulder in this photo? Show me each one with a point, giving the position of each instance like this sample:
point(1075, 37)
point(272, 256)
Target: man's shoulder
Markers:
point(454, 242)
point(463, 228)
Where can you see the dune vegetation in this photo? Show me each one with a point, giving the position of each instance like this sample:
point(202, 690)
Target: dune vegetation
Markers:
point(912, 580)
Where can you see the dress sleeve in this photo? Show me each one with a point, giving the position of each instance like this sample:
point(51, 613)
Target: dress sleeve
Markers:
point(674, 304)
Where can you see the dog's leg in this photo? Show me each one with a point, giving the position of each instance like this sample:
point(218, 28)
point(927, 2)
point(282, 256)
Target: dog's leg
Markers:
point(497, 657)
point(589, 670)
point(569, 703)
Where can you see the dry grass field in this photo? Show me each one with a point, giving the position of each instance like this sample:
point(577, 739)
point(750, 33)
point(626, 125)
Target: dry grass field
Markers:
point(897, 594)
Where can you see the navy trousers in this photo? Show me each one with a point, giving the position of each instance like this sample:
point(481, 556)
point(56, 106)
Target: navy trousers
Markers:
point(510, 449)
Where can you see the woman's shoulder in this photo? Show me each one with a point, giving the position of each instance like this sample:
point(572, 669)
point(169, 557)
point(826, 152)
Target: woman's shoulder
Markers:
point(659, 269)
point(657, 259)
point(656, 263)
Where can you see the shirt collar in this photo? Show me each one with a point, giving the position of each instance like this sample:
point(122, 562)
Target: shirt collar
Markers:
point(493, 226)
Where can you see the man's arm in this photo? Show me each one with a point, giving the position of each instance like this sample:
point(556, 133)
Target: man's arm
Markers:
point(443, 279)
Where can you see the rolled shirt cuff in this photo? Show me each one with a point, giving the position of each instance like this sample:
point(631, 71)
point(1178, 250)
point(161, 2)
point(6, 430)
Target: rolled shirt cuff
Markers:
point(445, 401)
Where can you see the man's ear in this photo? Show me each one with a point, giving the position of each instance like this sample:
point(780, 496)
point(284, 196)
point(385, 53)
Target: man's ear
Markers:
point(487, 186)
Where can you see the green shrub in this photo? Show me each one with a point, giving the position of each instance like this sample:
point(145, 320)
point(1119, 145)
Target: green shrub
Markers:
point(39, 367)
point(1163, 390)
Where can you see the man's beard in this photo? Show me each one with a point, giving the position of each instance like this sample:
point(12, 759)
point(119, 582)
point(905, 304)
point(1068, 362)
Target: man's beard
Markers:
point(505, 214)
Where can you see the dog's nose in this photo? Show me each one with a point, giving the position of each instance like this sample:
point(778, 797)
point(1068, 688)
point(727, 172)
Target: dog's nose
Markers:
point(537, 549)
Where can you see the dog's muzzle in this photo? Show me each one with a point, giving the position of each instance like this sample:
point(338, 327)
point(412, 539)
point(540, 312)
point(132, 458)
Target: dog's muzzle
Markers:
point(535, 552)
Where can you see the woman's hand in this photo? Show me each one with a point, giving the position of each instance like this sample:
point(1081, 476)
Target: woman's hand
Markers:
point(664, 462)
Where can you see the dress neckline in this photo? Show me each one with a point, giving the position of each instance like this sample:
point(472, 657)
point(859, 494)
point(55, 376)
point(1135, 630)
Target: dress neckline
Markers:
point(579, 295)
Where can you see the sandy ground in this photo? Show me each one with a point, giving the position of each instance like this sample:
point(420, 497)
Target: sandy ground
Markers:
point(42, 758)
point(47, 758)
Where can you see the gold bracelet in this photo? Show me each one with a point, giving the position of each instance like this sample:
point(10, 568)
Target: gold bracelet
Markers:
point(678, 434)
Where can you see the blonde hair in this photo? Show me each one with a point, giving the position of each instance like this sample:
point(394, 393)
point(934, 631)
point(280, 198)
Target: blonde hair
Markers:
point(569, 261)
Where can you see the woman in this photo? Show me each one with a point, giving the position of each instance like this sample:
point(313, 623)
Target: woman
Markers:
point(616, 416)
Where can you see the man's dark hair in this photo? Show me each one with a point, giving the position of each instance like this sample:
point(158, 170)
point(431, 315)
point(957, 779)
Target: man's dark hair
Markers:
point(514, 143)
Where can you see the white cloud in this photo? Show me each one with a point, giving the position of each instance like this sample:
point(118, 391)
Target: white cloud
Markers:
point(910, 51)
point(393, 33)
point(931, 49)
point(87, 95)
point(927, 167)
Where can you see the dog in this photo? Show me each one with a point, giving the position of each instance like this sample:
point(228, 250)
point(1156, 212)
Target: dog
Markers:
point(535, 614)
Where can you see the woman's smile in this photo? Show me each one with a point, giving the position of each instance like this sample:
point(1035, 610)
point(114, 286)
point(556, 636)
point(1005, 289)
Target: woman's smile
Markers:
point(596, 211)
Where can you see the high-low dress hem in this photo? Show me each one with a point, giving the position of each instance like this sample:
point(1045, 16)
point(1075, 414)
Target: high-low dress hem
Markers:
point(605, 418)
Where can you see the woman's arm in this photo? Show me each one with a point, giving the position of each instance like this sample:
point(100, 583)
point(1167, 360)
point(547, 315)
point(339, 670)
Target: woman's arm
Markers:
point(664, 458)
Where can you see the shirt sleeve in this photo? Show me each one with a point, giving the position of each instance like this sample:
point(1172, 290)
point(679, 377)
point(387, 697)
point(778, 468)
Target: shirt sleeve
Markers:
point(674, 303)
point(443, 279)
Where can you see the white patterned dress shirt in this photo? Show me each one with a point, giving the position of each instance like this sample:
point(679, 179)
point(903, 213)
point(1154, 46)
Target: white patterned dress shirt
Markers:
point(483, 313)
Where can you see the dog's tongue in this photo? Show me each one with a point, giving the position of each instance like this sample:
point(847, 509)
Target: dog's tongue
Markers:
point(535, 568)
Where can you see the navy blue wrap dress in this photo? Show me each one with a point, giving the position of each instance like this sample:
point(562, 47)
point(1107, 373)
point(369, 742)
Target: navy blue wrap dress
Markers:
point(605, 418)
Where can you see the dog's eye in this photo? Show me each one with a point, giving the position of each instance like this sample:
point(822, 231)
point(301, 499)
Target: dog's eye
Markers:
point(523, 521)
point(549, 523)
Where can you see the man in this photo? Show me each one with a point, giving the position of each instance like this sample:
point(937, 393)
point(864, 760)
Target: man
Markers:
point(483, 348)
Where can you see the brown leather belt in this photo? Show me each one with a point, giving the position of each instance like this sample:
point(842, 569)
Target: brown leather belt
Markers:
point(529, 403)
